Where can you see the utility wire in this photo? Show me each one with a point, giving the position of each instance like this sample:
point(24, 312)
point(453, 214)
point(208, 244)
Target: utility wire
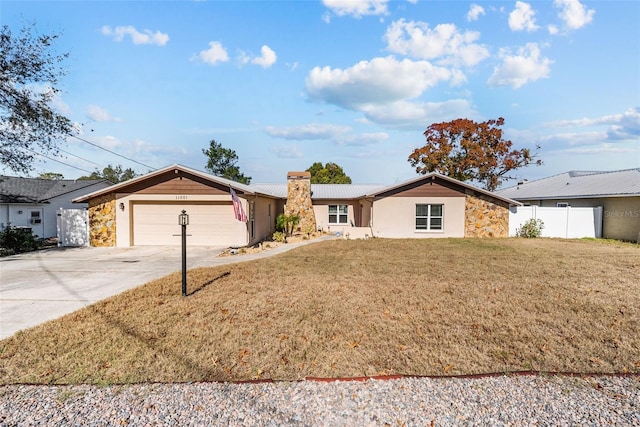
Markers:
point(59, 161)
point(81, 158)
point(112, 152)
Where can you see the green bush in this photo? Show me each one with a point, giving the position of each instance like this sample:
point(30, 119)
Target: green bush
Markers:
point(530, 229)
point(287, 223)
point(279, 236)
point(17, 240)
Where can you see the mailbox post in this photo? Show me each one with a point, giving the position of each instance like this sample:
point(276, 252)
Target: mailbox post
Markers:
point(183, 220)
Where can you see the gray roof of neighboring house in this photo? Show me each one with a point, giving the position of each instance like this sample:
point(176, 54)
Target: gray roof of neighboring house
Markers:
point(323, 191)
point(15, 189)
point(577, 185)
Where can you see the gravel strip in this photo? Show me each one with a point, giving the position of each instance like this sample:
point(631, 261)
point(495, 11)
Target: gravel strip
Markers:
point(495, 401)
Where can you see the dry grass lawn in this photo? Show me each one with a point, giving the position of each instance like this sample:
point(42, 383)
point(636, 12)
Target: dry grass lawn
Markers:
point(356, 308)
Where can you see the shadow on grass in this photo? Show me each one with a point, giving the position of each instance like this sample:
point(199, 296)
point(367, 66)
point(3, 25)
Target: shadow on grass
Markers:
point(207, 283)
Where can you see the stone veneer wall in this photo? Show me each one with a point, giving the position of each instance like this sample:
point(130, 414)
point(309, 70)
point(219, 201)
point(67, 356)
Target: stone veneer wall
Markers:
point(484, 218)
point(102, 221)
point(299, 200)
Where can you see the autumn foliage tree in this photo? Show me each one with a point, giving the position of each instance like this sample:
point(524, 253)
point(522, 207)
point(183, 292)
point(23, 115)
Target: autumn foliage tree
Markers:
point(466, 150)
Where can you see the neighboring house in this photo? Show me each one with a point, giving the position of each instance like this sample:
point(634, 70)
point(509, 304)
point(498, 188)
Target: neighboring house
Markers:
point(618, 192)
point(144, 210)
point(33, 202)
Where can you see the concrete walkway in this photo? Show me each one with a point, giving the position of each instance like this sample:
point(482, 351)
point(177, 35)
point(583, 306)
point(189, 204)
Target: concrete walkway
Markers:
point(40, 286)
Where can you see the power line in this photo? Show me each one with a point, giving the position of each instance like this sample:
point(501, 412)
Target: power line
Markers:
point(81, 158)
point(112, 152)
point(59, 161)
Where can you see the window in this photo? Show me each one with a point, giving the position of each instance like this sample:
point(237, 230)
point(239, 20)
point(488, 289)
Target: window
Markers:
point(338, 214)
point(429, 217)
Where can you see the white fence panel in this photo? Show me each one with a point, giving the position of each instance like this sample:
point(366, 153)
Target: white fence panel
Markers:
point(565, 222)
point(73, 227)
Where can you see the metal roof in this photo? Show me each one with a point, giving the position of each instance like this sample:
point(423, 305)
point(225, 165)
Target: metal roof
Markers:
point(577, 185)
point(279, 190)
point(15, 189)
point(322, 191)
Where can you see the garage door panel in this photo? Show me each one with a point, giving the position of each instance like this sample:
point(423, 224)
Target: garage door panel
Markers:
point(209, 224)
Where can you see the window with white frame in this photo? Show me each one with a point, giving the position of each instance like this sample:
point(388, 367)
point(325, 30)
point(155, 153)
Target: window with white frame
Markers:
point(338, 214)
point(430, 217)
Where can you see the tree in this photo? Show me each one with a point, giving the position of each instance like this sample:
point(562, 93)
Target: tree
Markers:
point(330, 173)
point(222, 162)
point(466, 150)
point(51, 176)
point(29, 76)
point(114, 174)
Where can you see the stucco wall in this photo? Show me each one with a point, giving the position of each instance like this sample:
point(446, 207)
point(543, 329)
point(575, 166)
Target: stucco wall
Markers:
point(102, 221)
point(621, 218)
point(485, 219)
point(395, 217)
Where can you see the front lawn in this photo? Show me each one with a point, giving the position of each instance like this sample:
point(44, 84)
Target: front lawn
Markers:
point(356, 308)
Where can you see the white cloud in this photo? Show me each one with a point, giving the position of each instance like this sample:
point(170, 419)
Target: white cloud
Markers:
point(379, 81)
point(622, 126)
point(287, 152)
point(362, 139)
point(474, 12)
point(137, 37)
point(356, 8)
point(267, 59)
point(216, 53)
point(521, 68)
point(100, 114)
point(419, 115)
point(308, 131)
point(573, 13)
point(445, 43)
point(522, 18)
point(553, 30)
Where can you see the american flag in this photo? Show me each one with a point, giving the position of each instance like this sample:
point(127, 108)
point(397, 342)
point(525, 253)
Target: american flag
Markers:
point(237, 207)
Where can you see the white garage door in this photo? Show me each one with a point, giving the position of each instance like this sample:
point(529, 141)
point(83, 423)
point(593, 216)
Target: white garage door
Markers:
point(209, 224)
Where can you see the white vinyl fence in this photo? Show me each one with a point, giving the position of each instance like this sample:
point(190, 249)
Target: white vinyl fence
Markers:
point(73, 228)
point(559, 222)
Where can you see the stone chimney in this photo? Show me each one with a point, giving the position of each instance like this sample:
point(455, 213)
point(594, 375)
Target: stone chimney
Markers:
point(299, 200)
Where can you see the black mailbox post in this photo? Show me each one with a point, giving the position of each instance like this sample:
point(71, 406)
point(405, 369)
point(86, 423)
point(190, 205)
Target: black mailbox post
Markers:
point(183, 220)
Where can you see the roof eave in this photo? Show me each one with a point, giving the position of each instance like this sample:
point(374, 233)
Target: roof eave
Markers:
point(114, 188)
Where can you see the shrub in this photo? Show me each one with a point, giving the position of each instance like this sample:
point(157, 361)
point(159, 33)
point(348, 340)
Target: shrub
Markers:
point(530, 229)
point(17, 240)
point(279, 236)
point(287, 223)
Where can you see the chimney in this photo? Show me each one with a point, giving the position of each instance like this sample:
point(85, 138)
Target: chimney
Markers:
point(299, 200)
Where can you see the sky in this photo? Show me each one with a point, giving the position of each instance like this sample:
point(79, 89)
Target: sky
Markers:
point(354, 82)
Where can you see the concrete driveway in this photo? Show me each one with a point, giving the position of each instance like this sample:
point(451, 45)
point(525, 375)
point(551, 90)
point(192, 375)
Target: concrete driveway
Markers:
point(39, 286)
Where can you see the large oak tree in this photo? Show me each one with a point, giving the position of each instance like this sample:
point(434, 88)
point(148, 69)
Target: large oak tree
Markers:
point(466, 150)
point(29, 76)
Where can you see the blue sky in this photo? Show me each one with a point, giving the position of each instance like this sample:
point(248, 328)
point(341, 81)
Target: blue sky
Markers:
point(355, 82)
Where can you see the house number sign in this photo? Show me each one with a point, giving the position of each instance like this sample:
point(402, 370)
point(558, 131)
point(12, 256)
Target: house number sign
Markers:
point(182, 197)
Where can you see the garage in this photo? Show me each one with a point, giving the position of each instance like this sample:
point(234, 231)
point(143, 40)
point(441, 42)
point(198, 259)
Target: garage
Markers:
point(210, 224)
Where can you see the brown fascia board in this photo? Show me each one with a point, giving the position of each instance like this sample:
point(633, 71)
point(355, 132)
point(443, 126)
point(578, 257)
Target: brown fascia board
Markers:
point(434, 175)
point(114, 188)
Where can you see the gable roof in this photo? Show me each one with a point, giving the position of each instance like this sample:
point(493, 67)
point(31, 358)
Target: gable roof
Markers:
point(173, 168)
point(434, 175)
point(15, 189)
point(578, 185)
point(279, 190)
